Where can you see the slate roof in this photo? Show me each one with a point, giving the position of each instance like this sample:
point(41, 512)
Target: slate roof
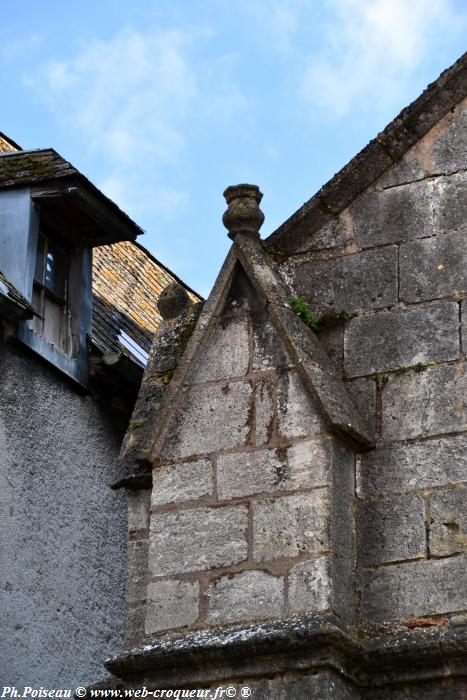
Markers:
point(367, 166)
point(9, 293)
point(45, 166)
point(127, 282)
point(127, 279)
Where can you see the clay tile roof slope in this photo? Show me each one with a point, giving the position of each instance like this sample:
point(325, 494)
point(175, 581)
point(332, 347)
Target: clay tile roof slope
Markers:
point(406, 129)
point(7, 145)
point(127, 282)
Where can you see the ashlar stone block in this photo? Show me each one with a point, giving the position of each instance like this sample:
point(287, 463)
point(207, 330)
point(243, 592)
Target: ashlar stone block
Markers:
point(304, 465)
point(391, 530)
point(268, 352)
point(264, 411)
point(197, 539)
point(395, 214)
point(246, 596)
point(415, 589)
point(400, 338)
point(210, 418)
point(310, 585)
point(226, 354)
point(290, 525)
point(412, 467)
point(174, 483)
point(139, 503)
point(434, 267)
point(425, 403)
point(171, 604)
point(448, 522)
point(137, 567)
point(464, 325)
point(365, 280)
point(297, 414)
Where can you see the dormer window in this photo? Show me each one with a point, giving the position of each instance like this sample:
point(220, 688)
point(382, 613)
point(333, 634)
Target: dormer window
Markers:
point(50, 291)
point(51, 217)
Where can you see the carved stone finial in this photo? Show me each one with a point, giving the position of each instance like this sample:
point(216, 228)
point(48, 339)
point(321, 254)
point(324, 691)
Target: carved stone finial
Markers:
point(243, 214)
point(173, 300)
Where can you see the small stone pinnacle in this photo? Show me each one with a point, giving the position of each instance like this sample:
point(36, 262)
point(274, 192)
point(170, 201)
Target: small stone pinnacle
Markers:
point(172, 301)
point(243, 214)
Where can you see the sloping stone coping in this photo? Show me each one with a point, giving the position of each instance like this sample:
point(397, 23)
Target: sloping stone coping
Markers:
point(306, 643)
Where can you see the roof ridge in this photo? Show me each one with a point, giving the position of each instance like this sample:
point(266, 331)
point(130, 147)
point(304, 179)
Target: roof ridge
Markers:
point(411, 124)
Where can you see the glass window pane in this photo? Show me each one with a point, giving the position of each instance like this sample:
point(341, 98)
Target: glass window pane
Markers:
point(56, 270)
point(53, 321)
point(39, 268)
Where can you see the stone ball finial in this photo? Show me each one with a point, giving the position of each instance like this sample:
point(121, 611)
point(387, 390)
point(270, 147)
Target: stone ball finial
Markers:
point(243, 214)
point(173, 300)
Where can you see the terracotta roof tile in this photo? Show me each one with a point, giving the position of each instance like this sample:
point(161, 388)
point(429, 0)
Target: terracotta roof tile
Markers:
point(127, 281)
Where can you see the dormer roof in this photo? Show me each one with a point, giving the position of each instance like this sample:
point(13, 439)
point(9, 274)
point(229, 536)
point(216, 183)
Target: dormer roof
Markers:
point(60, 188)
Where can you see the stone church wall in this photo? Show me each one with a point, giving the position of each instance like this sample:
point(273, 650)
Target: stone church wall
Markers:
point(398, 257)
point(252, 506)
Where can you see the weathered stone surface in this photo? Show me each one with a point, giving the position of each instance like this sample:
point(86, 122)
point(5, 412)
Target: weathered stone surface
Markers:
point(415, 589)
point(406, 170)
point(289, 525)
point(197, 539)
point(400, 338)
point(363, 394)
point(425, 403)
point(441, 689)
point(226, 353)
point(434, 267)
point(139, 503)
point(390, 530)
point(391, 215)
point(173, 300)
point(171, 604)
point(210, 418)
point(332, 340)
point(342, 525)
point(448, 522)
point(464, 325)
point(343, 589)
point(173, 483)
point(304, 465)
point(297, 414)
point(310, 585)
point(412, 467)
point(363, 281)
point(265, 411)
point(333, 234)
point(343, 467)
point(134, 625)
point(449, 150)
point(319, 686)
point(268, 350)
point(166, 350)
point(246, 596)
point(137, 567)
point(449, 202)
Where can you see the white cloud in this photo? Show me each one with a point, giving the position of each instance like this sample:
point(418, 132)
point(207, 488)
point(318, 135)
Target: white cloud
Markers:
point(135, 98)
point(371, 50)
point(125, 95)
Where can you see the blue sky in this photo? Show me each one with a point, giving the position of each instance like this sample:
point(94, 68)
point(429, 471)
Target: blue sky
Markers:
point(164, 103)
